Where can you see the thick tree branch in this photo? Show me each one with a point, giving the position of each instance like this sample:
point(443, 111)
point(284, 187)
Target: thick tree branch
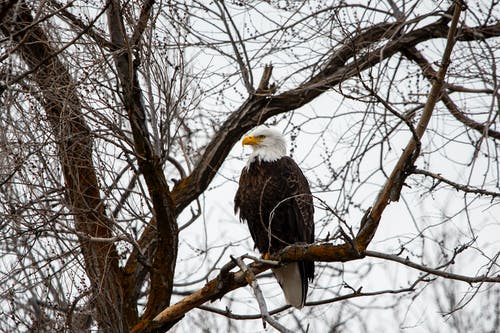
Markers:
point(392, 188)
point(142, 23)
point(481, 32)
point(150, 166)
point(227, 281)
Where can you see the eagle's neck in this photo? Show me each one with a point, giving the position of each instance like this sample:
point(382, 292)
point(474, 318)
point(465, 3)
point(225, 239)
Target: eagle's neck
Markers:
point(267, 154)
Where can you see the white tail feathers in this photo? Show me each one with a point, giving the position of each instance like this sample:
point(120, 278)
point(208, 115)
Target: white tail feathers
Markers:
point(289, 278)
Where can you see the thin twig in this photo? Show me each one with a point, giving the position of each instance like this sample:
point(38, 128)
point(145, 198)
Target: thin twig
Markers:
point(271, 263)
point(437, 272)
point(457, 186)
point(246, 72)
point(227, 312)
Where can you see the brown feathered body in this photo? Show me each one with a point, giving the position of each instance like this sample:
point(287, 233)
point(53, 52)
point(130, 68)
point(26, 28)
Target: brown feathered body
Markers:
point(275, 201)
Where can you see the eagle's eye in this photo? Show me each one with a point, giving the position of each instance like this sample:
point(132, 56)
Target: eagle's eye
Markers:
point(260, 136)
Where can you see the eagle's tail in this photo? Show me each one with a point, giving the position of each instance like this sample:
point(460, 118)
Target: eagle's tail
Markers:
point(292, 279)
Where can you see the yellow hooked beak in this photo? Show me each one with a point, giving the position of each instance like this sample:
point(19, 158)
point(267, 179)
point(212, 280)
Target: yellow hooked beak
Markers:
point(251, 140)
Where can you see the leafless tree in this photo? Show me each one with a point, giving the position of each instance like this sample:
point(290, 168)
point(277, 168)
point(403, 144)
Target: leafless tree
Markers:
point(117, 167)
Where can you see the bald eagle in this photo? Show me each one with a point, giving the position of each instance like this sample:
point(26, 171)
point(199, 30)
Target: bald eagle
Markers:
point(275, 201)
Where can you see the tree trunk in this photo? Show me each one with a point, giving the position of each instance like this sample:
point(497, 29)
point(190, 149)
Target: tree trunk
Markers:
point(63, 109)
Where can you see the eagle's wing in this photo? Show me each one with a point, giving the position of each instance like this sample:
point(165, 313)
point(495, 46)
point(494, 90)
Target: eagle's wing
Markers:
point(298, 189)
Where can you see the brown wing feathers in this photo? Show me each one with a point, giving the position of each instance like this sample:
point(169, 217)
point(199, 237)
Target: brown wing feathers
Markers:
point(275, 197)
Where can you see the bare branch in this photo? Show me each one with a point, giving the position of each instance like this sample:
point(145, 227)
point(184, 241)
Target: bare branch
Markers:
point(457, 186)
point(355, 294)
point(142, 23)
point(244, 65)
point(437, 272)
point(252, 281)
point(430, 74)
point(86, 28)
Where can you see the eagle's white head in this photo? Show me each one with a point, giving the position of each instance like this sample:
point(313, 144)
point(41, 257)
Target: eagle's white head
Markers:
point(268, 145)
